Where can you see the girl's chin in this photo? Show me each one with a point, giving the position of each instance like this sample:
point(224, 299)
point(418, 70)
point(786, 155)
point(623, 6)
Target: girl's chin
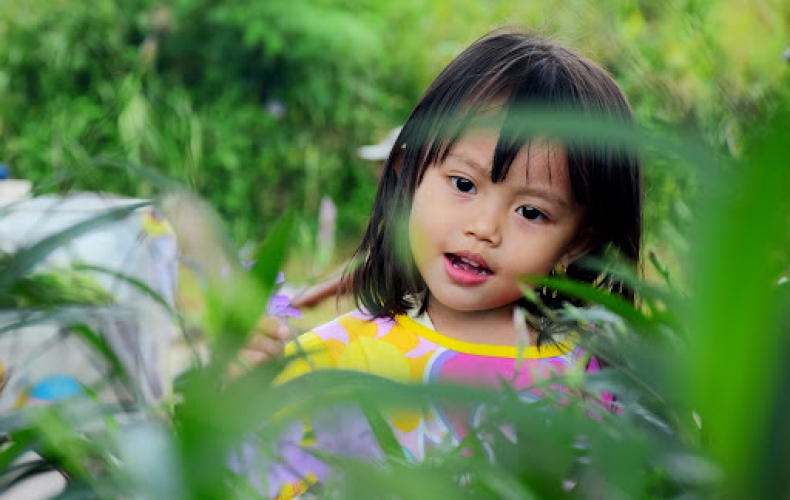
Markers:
point(470, 308)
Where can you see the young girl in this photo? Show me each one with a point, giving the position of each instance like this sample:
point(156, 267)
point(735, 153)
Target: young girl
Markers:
point(468, 203)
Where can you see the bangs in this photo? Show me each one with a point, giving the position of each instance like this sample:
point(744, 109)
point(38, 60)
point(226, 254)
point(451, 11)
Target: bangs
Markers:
point(499, 102)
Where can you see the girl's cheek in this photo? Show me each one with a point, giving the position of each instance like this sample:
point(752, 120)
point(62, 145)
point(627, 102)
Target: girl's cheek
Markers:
point(419, 240)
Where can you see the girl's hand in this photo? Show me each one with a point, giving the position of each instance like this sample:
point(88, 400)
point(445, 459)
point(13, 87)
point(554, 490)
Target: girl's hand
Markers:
point(268, 341)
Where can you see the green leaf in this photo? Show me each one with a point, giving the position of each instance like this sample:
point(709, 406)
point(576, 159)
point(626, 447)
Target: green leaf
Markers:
point(270, 255)
point(739, 346)
point(237, 301)
point(382, 431)
point(594, 295)
point(21, 442)
point(103, 348)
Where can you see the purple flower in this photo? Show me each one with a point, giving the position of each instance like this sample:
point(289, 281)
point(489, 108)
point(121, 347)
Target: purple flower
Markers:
point(280, 306)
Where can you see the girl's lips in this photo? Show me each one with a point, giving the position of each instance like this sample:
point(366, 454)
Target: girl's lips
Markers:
point(466, 268)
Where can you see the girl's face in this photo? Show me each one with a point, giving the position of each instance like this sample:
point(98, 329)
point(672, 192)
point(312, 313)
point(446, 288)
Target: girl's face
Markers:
point(472, 238)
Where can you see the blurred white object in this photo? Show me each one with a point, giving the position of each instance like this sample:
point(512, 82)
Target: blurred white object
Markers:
point(141, 246)
point(380, 151)
point(14, 189)
point(39, 487)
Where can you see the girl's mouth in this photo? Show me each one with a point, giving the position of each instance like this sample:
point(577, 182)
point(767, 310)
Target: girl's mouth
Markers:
point(466, 269)
point(471, 264)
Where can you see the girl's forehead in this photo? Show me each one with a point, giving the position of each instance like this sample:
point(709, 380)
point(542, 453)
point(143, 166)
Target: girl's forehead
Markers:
point(479, 146)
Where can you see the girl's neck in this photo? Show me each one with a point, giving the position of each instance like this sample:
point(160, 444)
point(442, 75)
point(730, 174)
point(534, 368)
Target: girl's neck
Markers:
point(492, 326)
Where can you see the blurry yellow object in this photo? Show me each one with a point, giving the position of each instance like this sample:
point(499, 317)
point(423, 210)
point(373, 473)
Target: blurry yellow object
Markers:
point(154, 224)
point(191, 298)
point(3, 380)
point(293, 490)
point(21, 399)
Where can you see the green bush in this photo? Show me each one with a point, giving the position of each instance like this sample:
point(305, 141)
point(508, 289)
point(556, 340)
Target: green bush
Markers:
point(258, 106)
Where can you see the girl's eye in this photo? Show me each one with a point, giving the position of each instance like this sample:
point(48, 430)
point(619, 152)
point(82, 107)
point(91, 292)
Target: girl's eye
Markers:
point(531, 213)
point(464, 185)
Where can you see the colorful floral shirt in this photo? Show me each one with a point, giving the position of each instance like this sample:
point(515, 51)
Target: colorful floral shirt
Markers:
point(404, 350)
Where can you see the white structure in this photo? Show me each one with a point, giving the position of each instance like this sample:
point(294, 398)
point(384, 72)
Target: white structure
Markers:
point(138, 244)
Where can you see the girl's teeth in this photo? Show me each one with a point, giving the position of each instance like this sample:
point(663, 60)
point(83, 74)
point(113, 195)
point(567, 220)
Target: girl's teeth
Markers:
point(464, 263)
point(471, 263)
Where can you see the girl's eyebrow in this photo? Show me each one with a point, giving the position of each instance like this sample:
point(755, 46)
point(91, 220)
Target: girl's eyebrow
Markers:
point(540, 191)
point(471, 163)
point(531, 189)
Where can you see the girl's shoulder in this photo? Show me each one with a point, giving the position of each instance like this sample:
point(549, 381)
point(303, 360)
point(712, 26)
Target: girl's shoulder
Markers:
point(354, 341)
point(345, 331)
point(328, 345)
point(353, 323)
point(407, 334)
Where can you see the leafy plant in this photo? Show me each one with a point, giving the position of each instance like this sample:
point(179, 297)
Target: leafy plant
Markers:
point(50, 288)
point(674, 433)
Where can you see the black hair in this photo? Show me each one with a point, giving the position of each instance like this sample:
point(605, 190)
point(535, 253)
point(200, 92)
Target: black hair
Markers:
point(508, 72)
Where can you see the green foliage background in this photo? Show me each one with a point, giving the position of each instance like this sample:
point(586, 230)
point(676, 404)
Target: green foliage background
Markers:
point(259, 106)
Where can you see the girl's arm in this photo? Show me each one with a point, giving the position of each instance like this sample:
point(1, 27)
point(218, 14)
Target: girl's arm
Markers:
point(320, 292)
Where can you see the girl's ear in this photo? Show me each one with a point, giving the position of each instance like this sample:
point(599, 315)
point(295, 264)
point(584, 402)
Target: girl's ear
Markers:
point(584, 242)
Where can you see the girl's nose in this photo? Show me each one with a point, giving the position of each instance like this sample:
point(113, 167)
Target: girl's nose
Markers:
point(484, 224)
